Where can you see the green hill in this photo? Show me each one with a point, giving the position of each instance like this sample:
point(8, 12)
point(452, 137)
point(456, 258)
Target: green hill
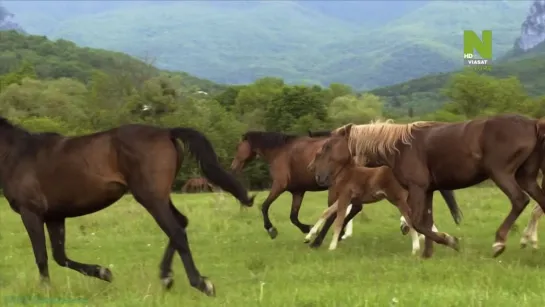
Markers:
point(424, 94)
point(238, 42)
point(61, 58)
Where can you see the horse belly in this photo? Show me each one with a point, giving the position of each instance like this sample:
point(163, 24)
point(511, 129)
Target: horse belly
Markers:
point(462, 178)
point(85, 201)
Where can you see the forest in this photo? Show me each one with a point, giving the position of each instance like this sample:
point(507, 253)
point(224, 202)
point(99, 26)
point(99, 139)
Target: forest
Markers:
point(57, 86)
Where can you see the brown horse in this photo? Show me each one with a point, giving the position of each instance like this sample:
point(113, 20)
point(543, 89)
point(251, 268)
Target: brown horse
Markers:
point(348, 181)
point(195, 185)
point(447, 195)
point(288, 157)
point(47, 178)
point(426, 156)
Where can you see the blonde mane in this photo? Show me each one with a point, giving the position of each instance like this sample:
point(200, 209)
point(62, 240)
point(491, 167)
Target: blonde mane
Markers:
point(379, 138)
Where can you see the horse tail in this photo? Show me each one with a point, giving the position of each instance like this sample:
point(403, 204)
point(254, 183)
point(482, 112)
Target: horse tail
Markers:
point(540, 131)
point(201, 148)
point(455, 211)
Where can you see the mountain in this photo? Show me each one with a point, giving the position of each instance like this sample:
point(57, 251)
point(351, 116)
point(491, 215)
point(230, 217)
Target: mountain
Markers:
point(362, 43)
point(61, 58)
point(5, 20)
point(424, 94)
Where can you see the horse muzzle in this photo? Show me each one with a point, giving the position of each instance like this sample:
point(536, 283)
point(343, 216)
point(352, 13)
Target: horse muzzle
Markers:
point(323, 181)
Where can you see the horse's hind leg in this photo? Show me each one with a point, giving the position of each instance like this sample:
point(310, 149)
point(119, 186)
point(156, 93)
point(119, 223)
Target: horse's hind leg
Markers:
point(56, 229)
point(297, 199)
point(166, 273)
point(164, 215)
point(34, 226)
point(526, 177)
point(519, 200)
point(530, 232)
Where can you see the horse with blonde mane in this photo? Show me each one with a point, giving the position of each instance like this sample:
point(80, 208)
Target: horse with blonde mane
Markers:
point(427, 156)
point(347, 181)
point(447, 195)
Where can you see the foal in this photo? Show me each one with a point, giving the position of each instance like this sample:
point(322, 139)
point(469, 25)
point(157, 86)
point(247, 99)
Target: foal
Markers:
point(47, 178)
point(334, 167)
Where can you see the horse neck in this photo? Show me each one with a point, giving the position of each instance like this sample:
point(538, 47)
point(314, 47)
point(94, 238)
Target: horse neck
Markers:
point(269, 154)
point(343, 170)
point(10, 155)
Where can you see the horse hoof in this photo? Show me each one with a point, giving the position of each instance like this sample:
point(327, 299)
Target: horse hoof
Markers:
point(272, 232)
point(207, 287)
point(404, 229)
point(454, 243)
point(167, 282)
point(45, 282)
point(105, 274)
point(315, 244)
point(498, 248)
point(305, 229)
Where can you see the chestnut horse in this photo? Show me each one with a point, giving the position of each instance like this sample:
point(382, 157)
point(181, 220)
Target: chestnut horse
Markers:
point(447, 195)
point(347, 181)
point(197, 185)
point(426, 156)
point(47, 177)
point(288, 157)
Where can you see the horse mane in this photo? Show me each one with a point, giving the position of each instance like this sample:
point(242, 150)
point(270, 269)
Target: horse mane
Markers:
point(319, 133)
point(21, 141)
point(268, 140)
point(379, 138)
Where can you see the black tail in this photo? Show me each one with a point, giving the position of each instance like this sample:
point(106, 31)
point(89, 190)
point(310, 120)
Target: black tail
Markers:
point(455, 211)
point(201, 148)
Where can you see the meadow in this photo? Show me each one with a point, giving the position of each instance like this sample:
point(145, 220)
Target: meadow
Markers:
point(372, 268)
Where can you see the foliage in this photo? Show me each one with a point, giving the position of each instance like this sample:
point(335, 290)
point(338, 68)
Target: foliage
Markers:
point(94, 96)
point(365, 44)
point(426, 95)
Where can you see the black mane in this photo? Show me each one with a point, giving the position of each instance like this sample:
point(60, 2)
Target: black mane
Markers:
point(319, 133)
point(268, 140)
point(21, 142)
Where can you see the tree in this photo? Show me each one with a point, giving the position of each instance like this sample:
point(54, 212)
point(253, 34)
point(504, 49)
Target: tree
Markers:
point(352, 109)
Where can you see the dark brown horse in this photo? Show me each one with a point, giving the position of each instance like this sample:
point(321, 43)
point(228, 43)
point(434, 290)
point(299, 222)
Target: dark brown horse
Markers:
point(288, 157)
point(426, 156)
point(196, 185)
point(47, 178)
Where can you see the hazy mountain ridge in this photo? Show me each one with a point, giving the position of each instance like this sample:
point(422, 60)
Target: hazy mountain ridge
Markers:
point(309, 42)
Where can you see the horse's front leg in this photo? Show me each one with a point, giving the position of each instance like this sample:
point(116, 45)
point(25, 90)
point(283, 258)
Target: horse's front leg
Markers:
point(34, 225)
point(342, 204)
point(530, 232)
point(56, 229)
point(421, 204)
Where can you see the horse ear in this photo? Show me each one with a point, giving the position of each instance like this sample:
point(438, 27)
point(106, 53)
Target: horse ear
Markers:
point(347, 129)
point(344, 130)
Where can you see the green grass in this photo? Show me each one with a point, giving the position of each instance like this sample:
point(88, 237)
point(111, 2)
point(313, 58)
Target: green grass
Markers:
point(372, 268)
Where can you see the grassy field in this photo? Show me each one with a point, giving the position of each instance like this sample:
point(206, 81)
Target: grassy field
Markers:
point(372, 268)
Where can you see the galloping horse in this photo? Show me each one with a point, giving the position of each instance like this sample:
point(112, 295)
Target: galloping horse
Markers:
point(426, 156)
point(47, 177)
point(334, 167)
point(195, 185)
point(447, 195)
point(288, 157)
